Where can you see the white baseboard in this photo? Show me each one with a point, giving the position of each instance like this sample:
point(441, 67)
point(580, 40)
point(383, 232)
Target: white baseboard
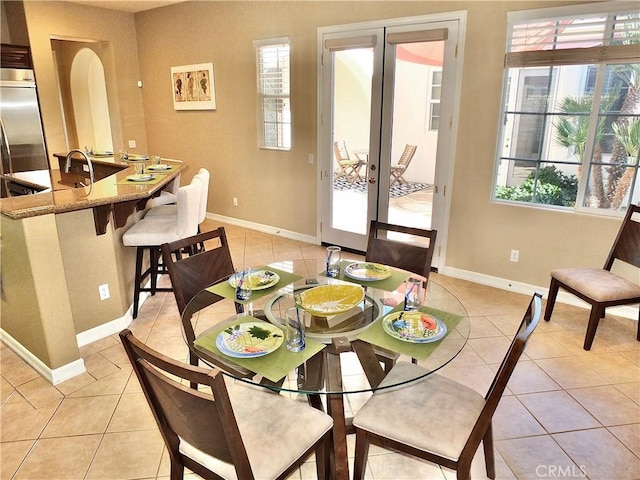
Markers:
point(56, 375)
point(626, 311)
point(265, 228)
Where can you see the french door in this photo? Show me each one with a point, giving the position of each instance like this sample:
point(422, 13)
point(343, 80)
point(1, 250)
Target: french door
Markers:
point(386, 88)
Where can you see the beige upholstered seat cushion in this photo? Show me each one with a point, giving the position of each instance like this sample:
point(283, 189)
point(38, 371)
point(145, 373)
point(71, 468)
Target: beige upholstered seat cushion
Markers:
point(275, 430)
point(598, 284)
point(435, 414)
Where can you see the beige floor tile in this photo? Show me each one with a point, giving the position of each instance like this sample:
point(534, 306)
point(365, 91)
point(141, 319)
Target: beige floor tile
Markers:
point(66, 458)
point(112, 384)
point(6, 390)
point(39, 392)
point(599, 454)
point(127, 455)
point(14, 369)
point(629, 435)
point(399, 467)
point(529, 378)
point(478, 377)
point(633, 355)
point(542, 345)
point(491, 350)
point(82, 416)
point(20, 421)
point(11, 456)
point(546, 462)
point(599, 401)
point(614, 367)
point(132, 413)
point(571, 372)
point(631, 390)
point(558, 411)
point(505, 424)
point(99, 367)
point(75, 383)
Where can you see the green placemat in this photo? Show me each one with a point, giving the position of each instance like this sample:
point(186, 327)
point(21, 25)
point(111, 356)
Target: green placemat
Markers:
point(273, 366)
point(376, 335)
point(156, 178)
point(388, 284)
point(227, 291)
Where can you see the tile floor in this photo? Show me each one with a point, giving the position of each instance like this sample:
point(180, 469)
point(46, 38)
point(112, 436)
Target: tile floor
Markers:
point(567, 413)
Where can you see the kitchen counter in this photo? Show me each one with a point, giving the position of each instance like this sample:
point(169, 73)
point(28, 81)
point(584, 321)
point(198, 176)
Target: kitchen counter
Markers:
point(106, 196)
point(60, 251)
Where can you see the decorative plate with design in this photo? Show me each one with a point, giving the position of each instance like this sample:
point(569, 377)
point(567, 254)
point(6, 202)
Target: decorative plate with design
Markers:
point(414, 327)
point(251, 339)
point(259, 279)
point(367, 271)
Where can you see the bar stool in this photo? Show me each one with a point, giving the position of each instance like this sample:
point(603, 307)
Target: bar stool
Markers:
point(150, 233)
point(170, 210)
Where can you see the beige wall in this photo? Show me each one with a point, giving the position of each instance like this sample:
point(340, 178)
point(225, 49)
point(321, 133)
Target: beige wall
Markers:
point(62, 20)
point(279, 188)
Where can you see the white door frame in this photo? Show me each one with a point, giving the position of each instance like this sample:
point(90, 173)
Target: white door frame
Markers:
point(446, 139)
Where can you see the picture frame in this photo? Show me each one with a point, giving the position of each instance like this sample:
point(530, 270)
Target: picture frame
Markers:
point(193, 87)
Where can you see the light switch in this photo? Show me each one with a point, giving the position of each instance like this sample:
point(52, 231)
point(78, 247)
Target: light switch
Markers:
point(132, 144)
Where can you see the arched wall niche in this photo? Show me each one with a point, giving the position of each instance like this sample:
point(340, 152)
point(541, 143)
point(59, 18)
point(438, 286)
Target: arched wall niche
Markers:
point(88, 93)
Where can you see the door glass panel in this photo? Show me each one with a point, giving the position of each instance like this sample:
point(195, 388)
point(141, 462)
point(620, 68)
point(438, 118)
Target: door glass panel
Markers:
point(415, 121)
point(352, 74)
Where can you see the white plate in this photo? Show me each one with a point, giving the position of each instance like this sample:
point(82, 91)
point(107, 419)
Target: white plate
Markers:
point(140, 177)
point(159, 167)
point(411, 327)
point(248, 340)
point(137, 158)
point(367, 271)
point(101, 154)
point(260, 279)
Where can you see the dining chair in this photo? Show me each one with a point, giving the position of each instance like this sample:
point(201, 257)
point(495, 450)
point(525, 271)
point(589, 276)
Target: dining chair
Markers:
point(403, 247)
point(191, 269)
point(436, 418)
point(348, 168)
point(601, 288)
point(226, 429)
point(397, 170)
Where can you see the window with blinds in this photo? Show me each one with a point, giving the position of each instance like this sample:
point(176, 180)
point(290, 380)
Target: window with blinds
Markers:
point(570, 124)
point(273, 89)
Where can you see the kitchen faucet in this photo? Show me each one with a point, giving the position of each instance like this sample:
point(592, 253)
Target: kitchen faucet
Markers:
point(67, 165)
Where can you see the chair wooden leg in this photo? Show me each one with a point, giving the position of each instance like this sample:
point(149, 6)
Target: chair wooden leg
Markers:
point(137, 280)
point(322, 458)
point(361, 454)
point(594, 319)
point(193, 360)
point(551, 299)
point(154, 269)
point(489, 454)
point(177, 471)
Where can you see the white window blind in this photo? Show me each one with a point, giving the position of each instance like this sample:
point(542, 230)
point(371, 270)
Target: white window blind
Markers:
point(573, 40)
point(273, 89)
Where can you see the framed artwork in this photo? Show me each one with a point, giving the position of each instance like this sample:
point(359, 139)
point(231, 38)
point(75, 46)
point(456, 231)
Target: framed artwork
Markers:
point(193, 87)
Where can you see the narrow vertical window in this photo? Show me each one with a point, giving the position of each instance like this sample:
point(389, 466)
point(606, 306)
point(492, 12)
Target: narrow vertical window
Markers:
point(434, 101)
point(273, 88)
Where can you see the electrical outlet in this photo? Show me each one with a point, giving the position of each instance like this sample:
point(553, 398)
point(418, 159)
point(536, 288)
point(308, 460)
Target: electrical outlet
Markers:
point(310, 159)
point(235, 201)
point(515, 255)
point(132, 144)
point(104, 291)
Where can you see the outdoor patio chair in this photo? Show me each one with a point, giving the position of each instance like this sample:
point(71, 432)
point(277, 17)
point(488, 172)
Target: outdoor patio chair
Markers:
point(436, 418)
point(397, 170)
point(600, 287)
point(348, 168)
point(227, 429)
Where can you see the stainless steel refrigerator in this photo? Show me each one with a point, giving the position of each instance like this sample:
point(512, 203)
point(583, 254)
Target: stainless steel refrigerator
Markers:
point(24, 153)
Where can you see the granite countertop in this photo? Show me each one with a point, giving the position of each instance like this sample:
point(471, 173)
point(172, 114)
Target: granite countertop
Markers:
point(103, 192)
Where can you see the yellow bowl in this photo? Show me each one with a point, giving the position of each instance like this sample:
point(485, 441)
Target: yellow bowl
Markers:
point(328, 300)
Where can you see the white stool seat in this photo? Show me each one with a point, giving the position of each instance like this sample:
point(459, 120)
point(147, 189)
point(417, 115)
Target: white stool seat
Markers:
point(168, 195)
point(170, 210)
point(151, 233)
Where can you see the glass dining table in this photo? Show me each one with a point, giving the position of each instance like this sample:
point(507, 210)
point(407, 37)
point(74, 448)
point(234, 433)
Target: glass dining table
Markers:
point(349, 347)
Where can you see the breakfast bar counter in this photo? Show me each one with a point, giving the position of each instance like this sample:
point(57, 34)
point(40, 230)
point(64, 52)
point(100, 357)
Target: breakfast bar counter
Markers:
point(66, 277)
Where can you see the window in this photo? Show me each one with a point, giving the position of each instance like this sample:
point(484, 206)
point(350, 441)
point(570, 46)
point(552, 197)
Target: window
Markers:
point(434, 100)
point(570, 126)
point(274, 105)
